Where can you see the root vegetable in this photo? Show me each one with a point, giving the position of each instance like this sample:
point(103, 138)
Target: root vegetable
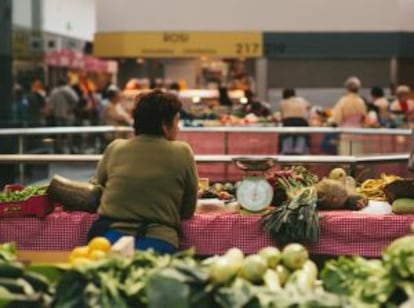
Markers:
point(332, 194)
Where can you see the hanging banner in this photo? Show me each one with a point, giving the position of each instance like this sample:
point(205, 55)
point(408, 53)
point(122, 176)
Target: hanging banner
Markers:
point(179, 44)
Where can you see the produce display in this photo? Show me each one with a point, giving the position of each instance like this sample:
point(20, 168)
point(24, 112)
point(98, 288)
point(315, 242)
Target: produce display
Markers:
point(296, 219)
point(103, 275)
point(11, 195)
point(375, 283)
point(269, 278)
point(19, 201)
point(374, 188)
point(299, 195)
point(98, 248)
point(222, 191)
point(20, 287)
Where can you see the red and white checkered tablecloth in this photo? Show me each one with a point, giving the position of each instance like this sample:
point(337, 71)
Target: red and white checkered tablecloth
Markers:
point(342, 232)
point(57, 231)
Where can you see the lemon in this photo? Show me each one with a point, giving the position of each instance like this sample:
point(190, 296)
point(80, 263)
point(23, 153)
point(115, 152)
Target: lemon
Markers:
point(79, 252)
point(100, 243)
point(97, 254)
point(80, 262)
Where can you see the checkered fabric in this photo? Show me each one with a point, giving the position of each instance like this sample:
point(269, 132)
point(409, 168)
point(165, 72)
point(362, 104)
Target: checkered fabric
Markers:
point(342, 232)
point(57, 231)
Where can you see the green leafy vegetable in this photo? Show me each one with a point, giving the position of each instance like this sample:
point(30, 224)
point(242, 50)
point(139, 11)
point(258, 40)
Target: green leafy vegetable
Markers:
point(21, 195)
point(296, 220)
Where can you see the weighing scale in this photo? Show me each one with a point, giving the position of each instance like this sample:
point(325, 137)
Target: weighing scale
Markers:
point(254, 193)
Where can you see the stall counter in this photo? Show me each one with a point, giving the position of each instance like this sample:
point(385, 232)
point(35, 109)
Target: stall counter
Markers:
point(342, 232)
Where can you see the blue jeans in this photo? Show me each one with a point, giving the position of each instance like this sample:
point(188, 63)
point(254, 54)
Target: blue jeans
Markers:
point(145, 243)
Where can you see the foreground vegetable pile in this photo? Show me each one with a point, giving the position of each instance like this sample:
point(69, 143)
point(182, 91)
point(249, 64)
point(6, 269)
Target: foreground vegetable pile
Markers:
point(270, 278)
point(20, 287)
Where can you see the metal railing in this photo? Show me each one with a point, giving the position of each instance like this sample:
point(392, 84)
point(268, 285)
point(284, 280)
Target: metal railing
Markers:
point(352, 161)
point(221, 129)
point(22, 133)
point(283, 159)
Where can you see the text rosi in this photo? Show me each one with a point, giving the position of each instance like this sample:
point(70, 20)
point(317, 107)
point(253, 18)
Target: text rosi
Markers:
point(176, 37)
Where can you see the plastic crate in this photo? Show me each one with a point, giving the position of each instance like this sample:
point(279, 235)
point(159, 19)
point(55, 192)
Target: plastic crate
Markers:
point(37, 206)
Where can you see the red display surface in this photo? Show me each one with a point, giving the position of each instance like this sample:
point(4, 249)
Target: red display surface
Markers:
point(342, 232)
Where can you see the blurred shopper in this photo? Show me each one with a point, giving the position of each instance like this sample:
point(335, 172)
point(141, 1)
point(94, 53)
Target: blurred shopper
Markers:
point(150, 182)
point(37, 107)
point(254, 105)
point(295, 112)
point(20, 106)
point(372, 117)
point(350, 111)
point(90, 115)
point(114, 114)
point(402, 109)
point(224, 98)
point(62, 102)
point(382, 105)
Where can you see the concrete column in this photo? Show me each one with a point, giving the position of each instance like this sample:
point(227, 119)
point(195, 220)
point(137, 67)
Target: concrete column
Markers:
point(37, 18)
point(6, 79)
point(261, 78)
point(8, 144)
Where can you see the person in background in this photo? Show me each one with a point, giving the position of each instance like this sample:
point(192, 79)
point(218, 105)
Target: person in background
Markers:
point(62, 102)
point(20, 105)
point(37, 107)
point(402, 109)
point(382, 105)
point(254, 105)
point(372, 117)
point(114, 114)
point(174, 88)
point(350, 111)
point(295, 112)
point(224, 98)
point(150, 182)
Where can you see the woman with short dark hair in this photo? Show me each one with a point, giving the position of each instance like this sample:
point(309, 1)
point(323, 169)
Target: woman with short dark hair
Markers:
point(155, 111)
point(150, 181)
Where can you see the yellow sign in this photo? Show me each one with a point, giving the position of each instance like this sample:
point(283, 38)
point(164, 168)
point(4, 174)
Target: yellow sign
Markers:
point(179, 44)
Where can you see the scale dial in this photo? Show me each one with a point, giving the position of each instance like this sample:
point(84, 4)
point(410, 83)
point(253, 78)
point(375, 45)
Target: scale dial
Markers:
point(254, 193)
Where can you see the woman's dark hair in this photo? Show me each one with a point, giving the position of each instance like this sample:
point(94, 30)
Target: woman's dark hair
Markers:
point(377, 92)
point(288, 93)
point(153, 110)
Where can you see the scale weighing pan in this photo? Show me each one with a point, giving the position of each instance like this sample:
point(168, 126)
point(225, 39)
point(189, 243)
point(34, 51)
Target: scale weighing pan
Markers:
point(254, 164)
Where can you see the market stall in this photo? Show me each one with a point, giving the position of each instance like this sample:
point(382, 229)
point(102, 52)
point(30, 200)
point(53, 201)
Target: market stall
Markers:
point(260, 253)
point(342, 232)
